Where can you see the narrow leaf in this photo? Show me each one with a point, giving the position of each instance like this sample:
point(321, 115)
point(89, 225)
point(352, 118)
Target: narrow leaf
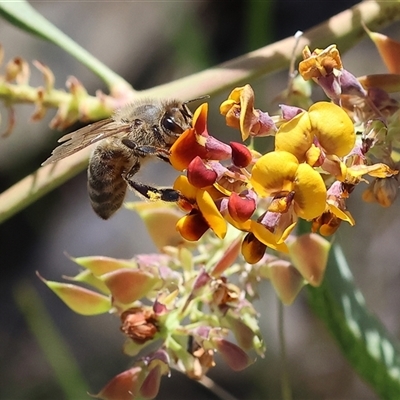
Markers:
point(362, 338)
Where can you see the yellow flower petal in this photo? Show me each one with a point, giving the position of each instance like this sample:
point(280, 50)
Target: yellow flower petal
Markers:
point(295, 136)
point(321, 62)
point(343, 215)
point(333, 128)
point(310, 193)
point(225, 106)
point(274, 173)
point(241, 226)
point(189, 145)
point(313, 154)
point(183, 185)
point(267, 237)
point(211, 213)
point(381, 170)
point(247, 111)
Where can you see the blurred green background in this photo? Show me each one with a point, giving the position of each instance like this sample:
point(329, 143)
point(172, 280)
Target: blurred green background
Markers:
point(150, 43)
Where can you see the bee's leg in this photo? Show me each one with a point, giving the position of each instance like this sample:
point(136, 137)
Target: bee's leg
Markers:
point(147, 191)
point(152, 193)
point(143, 151)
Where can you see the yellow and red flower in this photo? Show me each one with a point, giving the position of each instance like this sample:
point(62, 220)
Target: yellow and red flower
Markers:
point(240, 113)
point(202, 211)
point(196, 141)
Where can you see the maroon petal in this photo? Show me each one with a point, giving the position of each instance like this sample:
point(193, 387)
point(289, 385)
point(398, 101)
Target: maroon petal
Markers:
point(199, 175)
point(241, 155)
point(240, 208)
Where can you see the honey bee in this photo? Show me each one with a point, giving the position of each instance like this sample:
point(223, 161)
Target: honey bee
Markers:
point(133, 134)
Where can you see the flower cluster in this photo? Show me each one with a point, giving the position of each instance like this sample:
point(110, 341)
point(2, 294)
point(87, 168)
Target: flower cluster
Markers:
point(315, 165)
point(239, 210)
point(176, 300)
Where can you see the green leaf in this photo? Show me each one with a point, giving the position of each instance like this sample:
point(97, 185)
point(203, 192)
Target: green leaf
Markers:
point(50, 341)
point(363, 339)
point(21, 14)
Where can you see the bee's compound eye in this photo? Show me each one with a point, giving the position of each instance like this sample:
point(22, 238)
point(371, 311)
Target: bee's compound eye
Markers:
point(169, 123)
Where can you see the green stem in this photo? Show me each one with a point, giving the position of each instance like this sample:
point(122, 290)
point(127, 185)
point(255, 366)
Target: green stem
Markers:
point(285, 380)
point(90, 108)
point(21, 14)
point(50, 341)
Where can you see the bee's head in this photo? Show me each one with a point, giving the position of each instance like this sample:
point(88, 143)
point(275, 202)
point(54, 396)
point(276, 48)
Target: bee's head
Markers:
point(177, 118)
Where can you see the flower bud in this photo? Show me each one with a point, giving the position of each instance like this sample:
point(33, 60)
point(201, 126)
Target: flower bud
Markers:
point(81, 300)
point(309, 254)
point(124, 386)
point(128, 285)
point(233, 355)
point(286, 280)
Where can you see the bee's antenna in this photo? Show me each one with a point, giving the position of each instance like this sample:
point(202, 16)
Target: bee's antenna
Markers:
point(185, 109)
point(206, 96)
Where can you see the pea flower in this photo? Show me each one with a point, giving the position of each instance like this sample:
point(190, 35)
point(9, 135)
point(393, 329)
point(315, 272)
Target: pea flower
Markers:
point(240, 113)
point(325, 68)
point(325, 129)
point(291, 184)
point(202, 211)
point(196, 141)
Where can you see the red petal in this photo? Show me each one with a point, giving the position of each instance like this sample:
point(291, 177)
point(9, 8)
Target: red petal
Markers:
point(199, 175)
point(241, 155)
point(240, 208)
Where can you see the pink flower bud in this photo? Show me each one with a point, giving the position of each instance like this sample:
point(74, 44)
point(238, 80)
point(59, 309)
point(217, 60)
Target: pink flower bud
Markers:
point(309, 254)
point(124, 386)
point(233, 355)
point(128, 284)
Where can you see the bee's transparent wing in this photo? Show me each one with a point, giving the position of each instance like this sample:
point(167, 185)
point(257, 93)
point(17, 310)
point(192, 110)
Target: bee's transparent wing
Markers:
point(86, 136)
